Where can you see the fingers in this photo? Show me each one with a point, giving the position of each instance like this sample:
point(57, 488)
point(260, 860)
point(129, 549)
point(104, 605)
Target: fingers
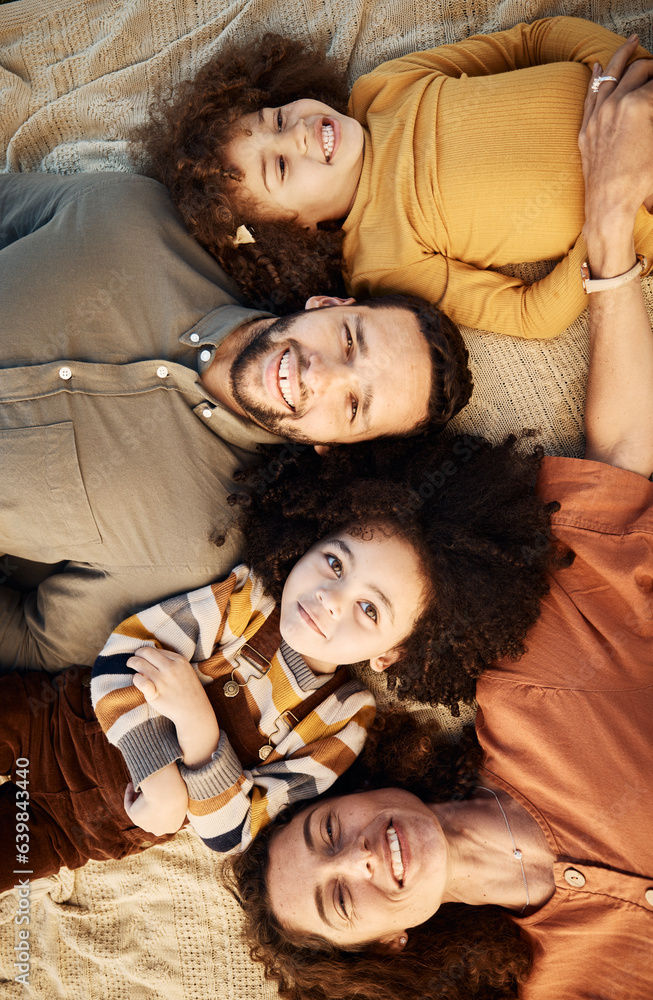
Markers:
point(130, 797)
point(618, 63)
point(615, 67)
point(147, 687)
point(151, 662)
point(157, 657)
point(636, 76)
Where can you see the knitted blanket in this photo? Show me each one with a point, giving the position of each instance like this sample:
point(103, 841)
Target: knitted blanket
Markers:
point(75, 76)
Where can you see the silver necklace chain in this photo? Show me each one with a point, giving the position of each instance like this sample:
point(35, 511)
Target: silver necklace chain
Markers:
point(515, 850)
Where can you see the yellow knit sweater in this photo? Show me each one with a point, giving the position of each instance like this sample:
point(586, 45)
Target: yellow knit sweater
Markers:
point(468, 167)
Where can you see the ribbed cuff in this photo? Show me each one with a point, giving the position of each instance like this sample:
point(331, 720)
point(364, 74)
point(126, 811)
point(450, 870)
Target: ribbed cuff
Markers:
point(222, 772)
point(149, 748)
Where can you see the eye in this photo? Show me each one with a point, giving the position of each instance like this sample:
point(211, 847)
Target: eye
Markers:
point(354, 408)
point(282, 167)
point(279, 120)
point(335, 564)
point(341, 900)
point(329, 827)
point(369, 610)
point(350, 341)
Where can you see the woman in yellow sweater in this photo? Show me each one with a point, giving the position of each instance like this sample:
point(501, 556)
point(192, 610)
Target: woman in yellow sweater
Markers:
point(445, 168)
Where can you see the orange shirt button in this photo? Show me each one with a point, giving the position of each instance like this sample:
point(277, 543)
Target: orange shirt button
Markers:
point(574, 878)
point(648, 896)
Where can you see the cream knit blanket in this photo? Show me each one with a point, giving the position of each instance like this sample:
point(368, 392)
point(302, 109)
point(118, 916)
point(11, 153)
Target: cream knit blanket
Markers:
point(75, 76)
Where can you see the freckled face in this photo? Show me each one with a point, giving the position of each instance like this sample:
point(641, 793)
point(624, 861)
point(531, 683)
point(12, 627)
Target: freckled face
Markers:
point(301, 161)
point(349, 599)
point(359, 868)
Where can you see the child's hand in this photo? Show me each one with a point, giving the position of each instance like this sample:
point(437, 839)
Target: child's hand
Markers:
point(169, 683)
point(161, 804)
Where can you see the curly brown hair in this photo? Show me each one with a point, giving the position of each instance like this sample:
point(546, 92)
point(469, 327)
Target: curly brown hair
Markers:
point(451, 380)
point(468, 508)
point(461, 952)
point(183, 145)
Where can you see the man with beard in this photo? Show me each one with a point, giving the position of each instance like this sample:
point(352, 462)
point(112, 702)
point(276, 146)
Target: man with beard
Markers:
point(134, 385)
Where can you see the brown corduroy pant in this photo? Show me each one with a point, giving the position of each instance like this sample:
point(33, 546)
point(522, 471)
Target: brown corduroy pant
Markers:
point(75, 779)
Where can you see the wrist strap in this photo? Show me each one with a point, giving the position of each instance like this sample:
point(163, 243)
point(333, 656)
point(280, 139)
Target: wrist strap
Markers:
point(605, 284)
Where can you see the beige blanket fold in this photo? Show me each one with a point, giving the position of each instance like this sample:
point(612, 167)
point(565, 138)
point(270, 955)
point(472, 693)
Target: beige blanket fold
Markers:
point(75, 77)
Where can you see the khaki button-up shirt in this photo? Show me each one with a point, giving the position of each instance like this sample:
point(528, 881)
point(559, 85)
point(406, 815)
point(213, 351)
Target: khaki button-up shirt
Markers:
point(114, 457)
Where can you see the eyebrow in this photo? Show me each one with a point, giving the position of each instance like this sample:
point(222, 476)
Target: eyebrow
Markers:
point(363, 348)
point(261, 122)
point(371, 586)
point(319, 895)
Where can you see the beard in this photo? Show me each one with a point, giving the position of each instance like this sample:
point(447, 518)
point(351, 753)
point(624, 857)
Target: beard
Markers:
point(245, 380)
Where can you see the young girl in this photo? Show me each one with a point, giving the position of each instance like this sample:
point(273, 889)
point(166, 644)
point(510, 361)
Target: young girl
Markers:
point(213, 709)
point(444, 166)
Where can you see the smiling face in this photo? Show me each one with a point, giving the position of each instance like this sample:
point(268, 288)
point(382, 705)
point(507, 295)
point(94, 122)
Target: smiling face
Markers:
point(349, 599)
point(341, 374)
point(301, 161)
point(365, 868)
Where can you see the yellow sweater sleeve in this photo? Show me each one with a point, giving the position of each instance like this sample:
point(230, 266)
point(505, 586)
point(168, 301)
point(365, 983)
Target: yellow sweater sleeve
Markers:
point(488, 300)
point(552, 39)
point(491, 301)
point(423, 216)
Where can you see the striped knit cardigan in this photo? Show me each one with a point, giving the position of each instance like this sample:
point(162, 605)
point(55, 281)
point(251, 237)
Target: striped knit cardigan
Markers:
point(227, 804)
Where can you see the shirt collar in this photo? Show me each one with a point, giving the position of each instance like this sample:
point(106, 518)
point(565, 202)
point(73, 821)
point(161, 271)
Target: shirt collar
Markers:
point(206, 336)
point(307, 680)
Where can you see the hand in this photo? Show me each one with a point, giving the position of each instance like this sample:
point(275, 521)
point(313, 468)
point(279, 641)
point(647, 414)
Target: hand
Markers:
point(169, 683)
point(616, 144)
point(161, 804)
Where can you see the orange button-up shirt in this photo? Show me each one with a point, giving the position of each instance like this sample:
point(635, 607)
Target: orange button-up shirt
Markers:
point(568, 732)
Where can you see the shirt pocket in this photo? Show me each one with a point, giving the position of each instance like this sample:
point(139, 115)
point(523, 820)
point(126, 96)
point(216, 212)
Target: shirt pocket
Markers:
point(44, 511)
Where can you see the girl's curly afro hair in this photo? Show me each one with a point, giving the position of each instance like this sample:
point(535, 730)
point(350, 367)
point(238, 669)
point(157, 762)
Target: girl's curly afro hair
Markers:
point(469, 509)
point(183, 145)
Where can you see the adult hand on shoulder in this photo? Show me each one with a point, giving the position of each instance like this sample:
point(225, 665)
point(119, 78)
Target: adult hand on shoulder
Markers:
point(169, 683)
point(616, 142)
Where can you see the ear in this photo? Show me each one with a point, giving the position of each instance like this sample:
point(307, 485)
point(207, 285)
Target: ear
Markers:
point(392, 944)
point(322, 449)
point(323, 301)
point(385, 660)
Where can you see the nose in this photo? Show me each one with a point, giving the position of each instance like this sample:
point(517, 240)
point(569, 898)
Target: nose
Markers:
point(321, 376)
point(299, 136)
point(356, 860)
point(330, 600)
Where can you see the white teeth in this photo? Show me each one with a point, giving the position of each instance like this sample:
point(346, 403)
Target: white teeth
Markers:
point(395, 854)
point(284, 381)
point(328, 140)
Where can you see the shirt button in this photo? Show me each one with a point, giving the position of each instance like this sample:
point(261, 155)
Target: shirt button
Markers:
point(162, 371)
point(205, 355)
point(194, 337)
point(574, 878)
point(206, 413)
point(65, 373)
point(648, 896)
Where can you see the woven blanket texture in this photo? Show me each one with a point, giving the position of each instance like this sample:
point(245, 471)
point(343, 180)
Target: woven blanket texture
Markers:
point(75, 76)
